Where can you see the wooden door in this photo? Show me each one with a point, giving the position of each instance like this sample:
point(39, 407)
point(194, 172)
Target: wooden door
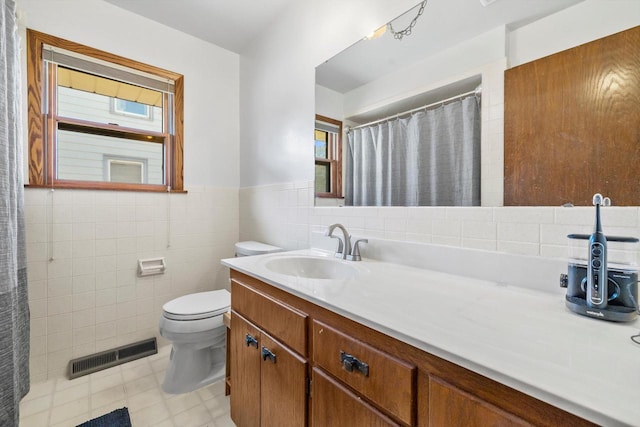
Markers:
point(283, 385)
point(572, 125)
point(333, 405)
point(450, 406)
point(245, 372)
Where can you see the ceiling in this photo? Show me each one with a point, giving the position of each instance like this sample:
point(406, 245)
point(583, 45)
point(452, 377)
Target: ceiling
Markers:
point(231, 24)
point(234, 24)
point(443, 24)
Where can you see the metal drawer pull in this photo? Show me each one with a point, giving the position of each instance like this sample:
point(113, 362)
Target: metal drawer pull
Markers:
point(251, 340)
point(349, 363)
point(267, 354)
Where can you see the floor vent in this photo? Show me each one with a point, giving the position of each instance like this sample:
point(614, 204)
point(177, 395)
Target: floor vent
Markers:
point(106, 359)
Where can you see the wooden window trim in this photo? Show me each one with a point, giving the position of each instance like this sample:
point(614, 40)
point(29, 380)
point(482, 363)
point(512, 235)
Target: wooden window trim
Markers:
point(334, 159)
point(41, 150)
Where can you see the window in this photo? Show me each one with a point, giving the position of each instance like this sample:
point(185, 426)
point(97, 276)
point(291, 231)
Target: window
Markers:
point(125, 170)
point(328, 153)
point(100, 121)
point(132, 108)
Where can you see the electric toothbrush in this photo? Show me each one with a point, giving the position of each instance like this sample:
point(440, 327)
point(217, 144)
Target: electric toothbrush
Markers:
point(597, 279)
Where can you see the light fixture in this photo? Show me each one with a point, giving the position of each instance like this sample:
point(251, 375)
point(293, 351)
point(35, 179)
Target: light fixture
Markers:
point(398, 35)
point(377, 33)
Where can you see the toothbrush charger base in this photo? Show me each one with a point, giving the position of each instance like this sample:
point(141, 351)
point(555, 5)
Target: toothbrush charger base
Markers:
point(614, 313)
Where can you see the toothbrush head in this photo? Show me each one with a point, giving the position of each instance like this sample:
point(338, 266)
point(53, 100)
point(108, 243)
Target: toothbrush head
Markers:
point(606, 202)
point(597, 199)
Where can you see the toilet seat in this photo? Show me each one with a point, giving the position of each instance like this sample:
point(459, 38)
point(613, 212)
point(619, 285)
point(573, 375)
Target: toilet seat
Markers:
point(201, 305)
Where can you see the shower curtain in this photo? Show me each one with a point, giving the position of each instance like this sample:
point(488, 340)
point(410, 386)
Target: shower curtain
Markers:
point(14, 309)
point(431, 158)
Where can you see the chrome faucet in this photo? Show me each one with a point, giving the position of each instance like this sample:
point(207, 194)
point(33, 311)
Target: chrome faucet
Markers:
point(344, 244)
point(345, 251)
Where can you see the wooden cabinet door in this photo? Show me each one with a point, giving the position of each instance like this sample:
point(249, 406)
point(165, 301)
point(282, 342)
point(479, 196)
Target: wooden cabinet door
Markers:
point(283, 389)
point(333, 405)
point(245, 372)
point(450, 406)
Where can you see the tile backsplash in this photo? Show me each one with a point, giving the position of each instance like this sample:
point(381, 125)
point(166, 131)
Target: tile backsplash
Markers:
point(82, 254)
point(283, 215)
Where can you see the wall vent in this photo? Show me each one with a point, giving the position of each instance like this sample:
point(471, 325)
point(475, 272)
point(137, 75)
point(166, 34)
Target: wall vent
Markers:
point(106, 359)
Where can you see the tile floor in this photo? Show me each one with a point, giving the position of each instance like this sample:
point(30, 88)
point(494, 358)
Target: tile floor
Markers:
point(136, 385)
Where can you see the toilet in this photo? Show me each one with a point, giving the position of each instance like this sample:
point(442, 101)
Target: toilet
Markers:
point(194, 325)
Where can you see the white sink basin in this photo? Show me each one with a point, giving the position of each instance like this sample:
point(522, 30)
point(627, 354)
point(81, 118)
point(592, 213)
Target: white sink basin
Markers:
point(312, 267)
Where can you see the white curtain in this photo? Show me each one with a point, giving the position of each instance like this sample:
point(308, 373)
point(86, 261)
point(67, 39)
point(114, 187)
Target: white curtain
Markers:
point(431, 158)
point(14, 309)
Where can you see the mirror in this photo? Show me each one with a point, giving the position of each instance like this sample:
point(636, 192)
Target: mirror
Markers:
point(456, 47)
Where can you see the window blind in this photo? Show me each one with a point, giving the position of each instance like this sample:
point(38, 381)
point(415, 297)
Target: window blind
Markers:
point(104, 69)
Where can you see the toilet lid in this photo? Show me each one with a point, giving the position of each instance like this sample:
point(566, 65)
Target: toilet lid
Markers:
point(196, 306)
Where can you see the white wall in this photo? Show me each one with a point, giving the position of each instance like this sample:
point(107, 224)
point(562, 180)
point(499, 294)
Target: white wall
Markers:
point(83, 246)
point(329, 103)
point(582, 23)
point(276, 198)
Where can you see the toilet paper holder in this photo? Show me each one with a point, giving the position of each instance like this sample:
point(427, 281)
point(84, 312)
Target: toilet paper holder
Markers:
point(151, 266)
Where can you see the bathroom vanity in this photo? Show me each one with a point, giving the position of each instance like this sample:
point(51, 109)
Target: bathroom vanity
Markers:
point(350, 352)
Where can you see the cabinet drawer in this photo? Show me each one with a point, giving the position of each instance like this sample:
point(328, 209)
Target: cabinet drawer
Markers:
point(386, 381)
point(271, 315)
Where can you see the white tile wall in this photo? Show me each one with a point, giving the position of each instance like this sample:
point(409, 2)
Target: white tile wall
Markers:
point(82, 252)
point(88, 297)
point(492, 159)
point(274, 215)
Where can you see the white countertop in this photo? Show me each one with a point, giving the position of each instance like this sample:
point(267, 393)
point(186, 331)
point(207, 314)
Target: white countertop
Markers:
point(520, 337)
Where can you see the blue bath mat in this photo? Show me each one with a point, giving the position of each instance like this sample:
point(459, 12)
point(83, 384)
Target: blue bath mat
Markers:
point(117, 418)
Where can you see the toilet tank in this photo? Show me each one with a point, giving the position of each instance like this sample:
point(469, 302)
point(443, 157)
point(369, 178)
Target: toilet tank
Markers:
point(251, 247)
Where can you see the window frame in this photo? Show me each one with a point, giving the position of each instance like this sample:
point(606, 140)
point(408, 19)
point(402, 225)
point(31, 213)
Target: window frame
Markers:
point(42, 149)
point(333, 160)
